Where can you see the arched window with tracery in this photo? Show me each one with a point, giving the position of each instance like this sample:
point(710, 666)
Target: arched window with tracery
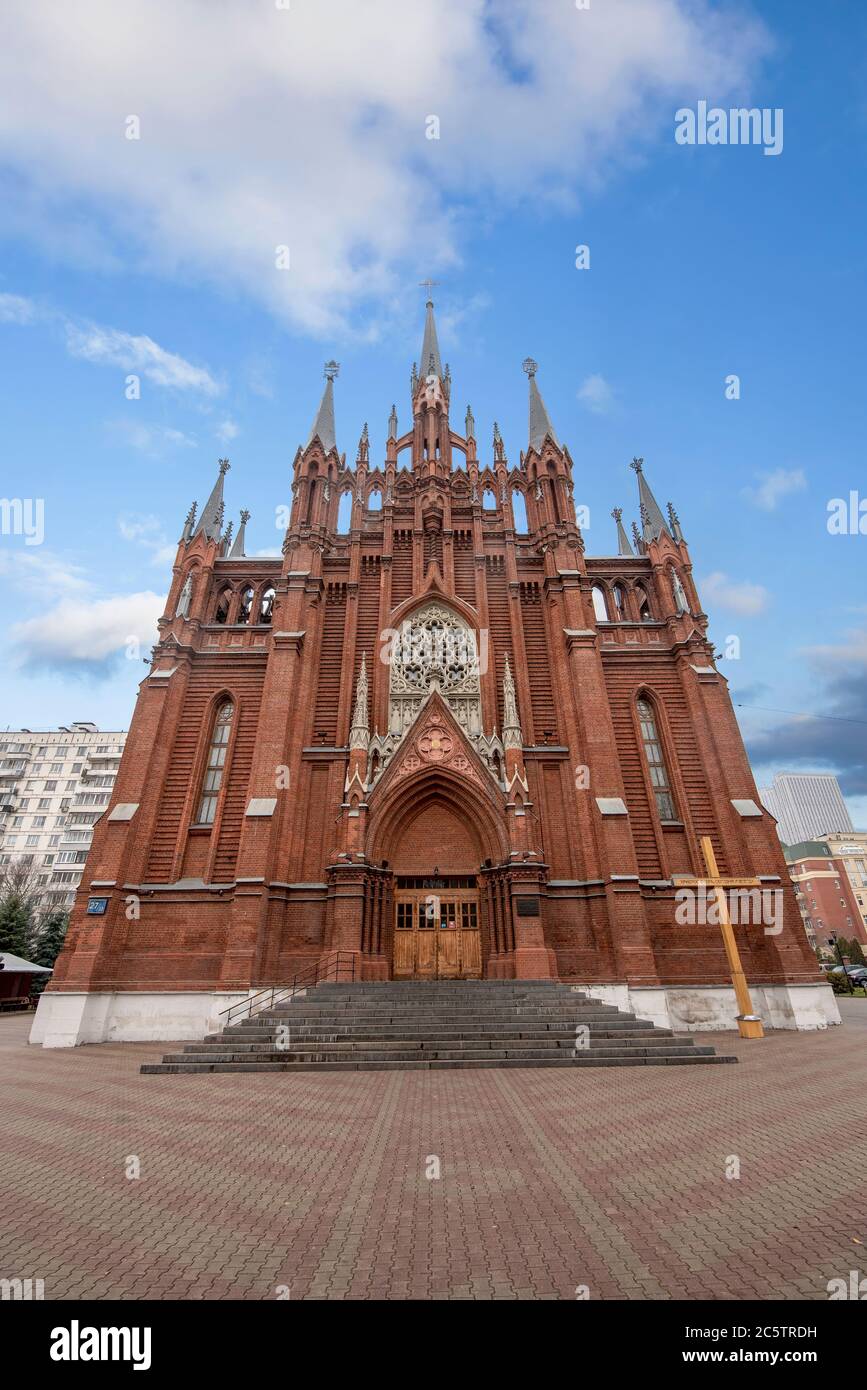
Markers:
point(344, 513)
point(215, 764)
point(620, 603)
point(653, 752)
point(266, 604)
point(224, 602)
point(246, 606)
point(644, 612)
point(600, 607)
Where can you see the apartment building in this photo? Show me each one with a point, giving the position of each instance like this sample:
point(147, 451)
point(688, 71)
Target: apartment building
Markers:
point(54, 786)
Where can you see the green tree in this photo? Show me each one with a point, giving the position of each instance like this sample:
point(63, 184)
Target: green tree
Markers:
point(856, 951)
point(49, 938)
point(15, 923)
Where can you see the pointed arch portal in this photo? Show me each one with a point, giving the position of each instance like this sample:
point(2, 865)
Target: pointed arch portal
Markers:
point(437, 821)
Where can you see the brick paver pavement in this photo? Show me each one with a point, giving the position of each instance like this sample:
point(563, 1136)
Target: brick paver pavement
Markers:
point(614, 1179)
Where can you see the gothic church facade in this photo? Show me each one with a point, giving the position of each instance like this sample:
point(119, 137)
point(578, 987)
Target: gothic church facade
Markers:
point(437, 741)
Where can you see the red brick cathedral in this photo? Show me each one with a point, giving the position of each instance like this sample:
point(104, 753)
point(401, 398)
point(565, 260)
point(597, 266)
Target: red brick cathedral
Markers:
point(436, 738)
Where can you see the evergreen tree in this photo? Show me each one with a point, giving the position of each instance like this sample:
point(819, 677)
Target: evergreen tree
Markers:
point(49, 938)
point(856, 951)
point(15, 924)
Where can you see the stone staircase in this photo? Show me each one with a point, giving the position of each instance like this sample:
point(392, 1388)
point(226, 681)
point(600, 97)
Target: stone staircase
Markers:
point(420, 1025)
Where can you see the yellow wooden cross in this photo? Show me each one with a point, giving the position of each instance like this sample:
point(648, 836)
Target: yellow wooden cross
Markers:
point(749, 1023)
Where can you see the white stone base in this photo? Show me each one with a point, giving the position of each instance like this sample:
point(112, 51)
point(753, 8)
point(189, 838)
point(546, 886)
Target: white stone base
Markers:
point(713, 1008)
point(65, 1020)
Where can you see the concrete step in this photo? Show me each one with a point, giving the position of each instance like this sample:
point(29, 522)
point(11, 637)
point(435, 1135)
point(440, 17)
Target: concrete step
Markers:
point(425, 1026)
point(429, 1054)
point(266, 1037)
point(463, 1044)
point(651, 1060)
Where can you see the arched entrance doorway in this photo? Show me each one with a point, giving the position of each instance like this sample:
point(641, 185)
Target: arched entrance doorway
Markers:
point(437, 834)
point(437, 924)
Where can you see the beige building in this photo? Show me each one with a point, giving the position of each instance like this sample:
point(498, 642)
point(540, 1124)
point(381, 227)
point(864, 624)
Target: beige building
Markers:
point(851, 848)
point(54, 785)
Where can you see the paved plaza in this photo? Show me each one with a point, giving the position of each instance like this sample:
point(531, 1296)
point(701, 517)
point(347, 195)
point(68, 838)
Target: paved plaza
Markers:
point(612, 1179)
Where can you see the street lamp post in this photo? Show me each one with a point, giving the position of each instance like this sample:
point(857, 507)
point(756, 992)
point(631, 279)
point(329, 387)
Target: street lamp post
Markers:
point(833, 937)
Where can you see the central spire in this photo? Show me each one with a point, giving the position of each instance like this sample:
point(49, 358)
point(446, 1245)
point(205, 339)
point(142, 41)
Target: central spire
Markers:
point(323, 425)
point(540, 421)
point(431, 363)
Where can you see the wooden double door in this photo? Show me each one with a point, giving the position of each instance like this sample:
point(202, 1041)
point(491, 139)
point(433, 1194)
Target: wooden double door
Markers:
point(436, 934)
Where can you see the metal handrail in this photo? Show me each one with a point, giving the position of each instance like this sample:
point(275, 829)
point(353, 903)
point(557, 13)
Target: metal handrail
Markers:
point(257, 1002)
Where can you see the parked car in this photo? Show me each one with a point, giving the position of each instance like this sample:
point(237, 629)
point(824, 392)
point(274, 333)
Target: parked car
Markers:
point(857, 973)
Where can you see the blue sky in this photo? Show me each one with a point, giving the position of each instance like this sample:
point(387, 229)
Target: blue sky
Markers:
point(260, 128)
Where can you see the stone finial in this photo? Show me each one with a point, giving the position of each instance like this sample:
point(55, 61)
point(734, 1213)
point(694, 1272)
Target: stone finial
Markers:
point(512, 737)
point(359, 734)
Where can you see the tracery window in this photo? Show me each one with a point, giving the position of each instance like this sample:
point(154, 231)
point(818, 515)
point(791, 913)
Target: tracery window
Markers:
point(266, 604)
point(655, 761)
point(246, 606)
point(434, 650)
point(221, 613)
point(600, 607)
point(212, 779)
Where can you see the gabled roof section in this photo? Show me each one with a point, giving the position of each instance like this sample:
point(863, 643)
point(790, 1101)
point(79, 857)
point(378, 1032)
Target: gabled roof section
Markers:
point(436, 741)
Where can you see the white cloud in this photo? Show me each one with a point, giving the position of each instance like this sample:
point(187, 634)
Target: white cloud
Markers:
point(227, 430)
point(596, 393)
point(137, 353)
point(40, 572)
point(148, 532)
point(113, 347)
point(744, 598)
point(89, 634)
point(305, 127)
point(774, 486)
point(14, 308)
point(148, 438)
